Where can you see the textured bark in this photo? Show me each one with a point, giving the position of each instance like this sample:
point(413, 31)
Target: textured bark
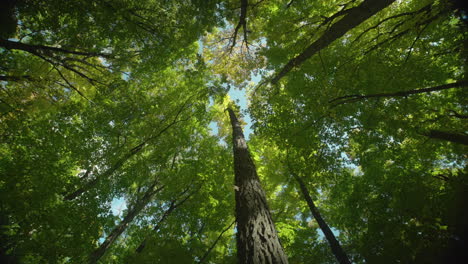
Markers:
point(351, 19)
point(335, 246)
point(120, 228)
point(257, 239)
point(452, 137)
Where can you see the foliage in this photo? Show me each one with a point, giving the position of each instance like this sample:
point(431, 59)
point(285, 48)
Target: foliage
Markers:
point(107, 99)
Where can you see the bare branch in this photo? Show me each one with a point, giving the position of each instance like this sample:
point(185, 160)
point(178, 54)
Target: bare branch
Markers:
point(69, 84)
point(242, 23)
point(173, 205)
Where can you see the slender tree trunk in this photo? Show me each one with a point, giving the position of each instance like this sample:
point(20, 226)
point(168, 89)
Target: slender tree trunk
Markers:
point(352, 18)
point(120, 228)
point(335, 246)
point(257, 238)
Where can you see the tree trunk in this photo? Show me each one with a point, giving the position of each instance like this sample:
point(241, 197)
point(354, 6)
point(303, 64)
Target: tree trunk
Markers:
point(120, 228)
point(335, 246)
point(351, 19)
point(257, 239)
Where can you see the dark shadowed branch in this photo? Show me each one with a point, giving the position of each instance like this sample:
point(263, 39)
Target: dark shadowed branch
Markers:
point(172, 206)
point(354, 98)
point(350, 20)
point(458, 138)
point(242, 23)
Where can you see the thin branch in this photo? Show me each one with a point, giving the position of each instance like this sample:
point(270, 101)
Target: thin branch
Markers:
point(289, 4)
point(393, 38)
point(173, 205)
point(353, 98)
point(426, 8)
point(132, 152)
point(413, 43)
point(242, 23)
point(69, 84)
point(215, 242)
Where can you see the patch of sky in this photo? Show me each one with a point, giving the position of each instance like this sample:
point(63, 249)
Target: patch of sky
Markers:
point(118, 205)
point(125, 76)
point(213, 126)
point(321, 235)
point(200, 46)
point(240, 97)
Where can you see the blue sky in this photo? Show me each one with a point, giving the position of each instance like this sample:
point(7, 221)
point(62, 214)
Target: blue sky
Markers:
point(240, 97)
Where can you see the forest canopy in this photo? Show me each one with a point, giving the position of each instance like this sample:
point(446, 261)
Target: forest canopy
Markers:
point(120, 141)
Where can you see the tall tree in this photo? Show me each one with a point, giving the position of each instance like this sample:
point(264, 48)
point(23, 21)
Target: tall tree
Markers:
point(120, 228)
point(257, 238)
point(335, 246)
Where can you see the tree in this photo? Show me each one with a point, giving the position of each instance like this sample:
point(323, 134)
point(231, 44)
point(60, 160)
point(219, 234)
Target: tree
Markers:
point(336, 248)
point(257, 238)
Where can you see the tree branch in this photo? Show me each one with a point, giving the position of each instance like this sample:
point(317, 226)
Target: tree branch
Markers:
point(353, 18)
point(426, 9)
point(242, 23)
point(11, 78)
point(448, 136)
point(173, 205)
point(353, 98)
point(15, 45)
point(202, 259)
